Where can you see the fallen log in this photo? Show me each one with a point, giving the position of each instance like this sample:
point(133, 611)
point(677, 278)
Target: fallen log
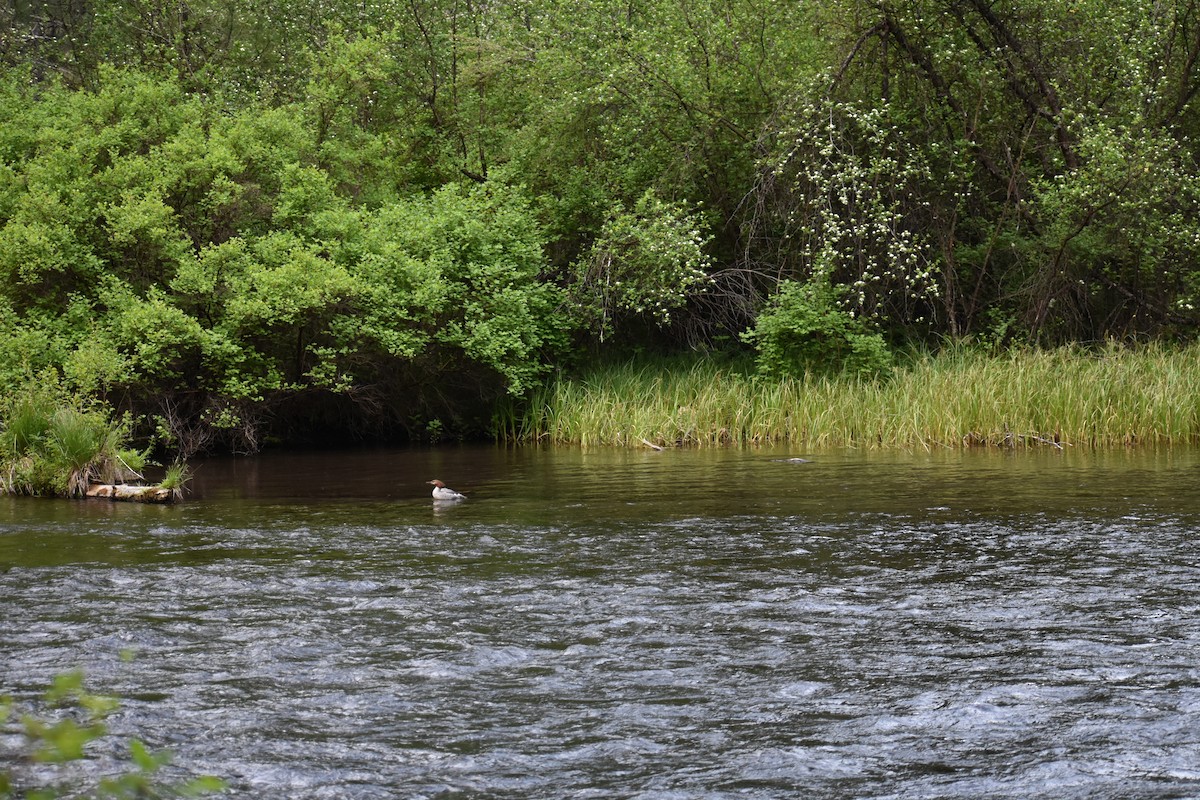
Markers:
point(132, 493)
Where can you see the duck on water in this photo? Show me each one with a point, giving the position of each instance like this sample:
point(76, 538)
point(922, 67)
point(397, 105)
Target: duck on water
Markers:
point(443, 492)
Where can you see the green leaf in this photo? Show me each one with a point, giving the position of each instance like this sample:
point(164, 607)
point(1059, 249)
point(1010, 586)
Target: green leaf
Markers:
point(205, 784)
point(146, 761)
point(62, 741)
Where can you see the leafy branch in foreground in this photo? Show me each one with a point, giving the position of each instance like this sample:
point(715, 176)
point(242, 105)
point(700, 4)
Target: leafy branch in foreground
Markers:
point(59, 734)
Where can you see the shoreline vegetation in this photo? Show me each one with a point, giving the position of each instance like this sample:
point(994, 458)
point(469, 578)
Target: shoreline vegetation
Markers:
point(52, 446)
point(373, 221)
point(959, 398)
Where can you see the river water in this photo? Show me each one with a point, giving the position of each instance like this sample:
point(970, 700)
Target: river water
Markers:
point(621, 624)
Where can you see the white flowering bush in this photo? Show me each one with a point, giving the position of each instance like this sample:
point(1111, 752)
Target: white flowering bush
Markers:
point(857, 180)
point(645, 263)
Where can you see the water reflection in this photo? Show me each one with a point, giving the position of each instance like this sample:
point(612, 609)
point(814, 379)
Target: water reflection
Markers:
point(549, 482)
point(621, 624)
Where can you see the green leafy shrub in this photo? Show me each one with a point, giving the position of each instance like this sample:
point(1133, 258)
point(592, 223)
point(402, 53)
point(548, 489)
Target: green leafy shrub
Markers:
point(1126, 217)
point(219, 267)
point(454, 282)
point(805, 330)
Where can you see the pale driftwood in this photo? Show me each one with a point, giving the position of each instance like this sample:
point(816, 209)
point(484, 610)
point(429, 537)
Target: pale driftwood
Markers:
point(136, 494)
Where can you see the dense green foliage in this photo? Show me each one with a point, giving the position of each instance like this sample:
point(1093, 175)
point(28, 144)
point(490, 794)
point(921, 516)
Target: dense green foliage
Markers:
point(806, 330)
point(242, 218)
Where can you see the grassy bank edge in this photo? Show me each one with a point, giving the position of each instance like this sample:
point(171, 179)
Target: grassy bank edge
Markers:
point(959, 397)
point(51, 445)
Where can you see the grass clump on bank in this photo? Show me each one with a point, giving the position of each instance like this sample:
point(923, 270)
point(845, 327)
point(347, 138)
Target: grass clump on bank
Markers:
point(49, 446)
point(958, 397)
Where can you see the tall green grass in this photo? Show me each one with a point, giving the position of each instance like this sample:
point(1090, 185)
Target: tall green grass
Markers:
point(959, 397)
point(48, 447)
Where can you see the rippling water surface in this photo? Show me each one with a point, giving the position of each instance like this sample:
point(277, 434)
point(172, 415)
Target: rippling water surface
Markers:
point(685, 624)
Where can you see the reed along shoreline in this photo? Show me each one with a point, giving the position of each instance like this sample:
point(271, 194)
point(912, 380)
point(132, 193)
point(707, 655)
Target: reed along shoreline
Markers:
point(1072, 396)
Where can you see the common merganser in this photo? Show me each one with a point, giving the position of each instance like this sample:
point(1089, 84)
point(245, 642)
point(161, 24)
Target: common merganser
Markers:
point(443, 492)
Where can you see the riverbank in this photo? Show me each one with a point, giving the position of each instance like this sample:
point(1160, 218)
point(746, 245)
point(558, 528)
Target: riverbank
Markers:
point(1072, 396)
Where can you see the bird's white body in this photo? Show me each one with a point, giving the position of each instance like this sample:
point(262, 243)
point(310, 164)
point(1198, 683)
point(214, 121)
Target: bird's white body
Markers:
point(443, 492)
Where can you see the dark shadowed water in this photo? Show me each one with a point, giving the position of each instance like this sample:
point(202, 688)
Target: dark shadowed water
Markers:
point(612, 624)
